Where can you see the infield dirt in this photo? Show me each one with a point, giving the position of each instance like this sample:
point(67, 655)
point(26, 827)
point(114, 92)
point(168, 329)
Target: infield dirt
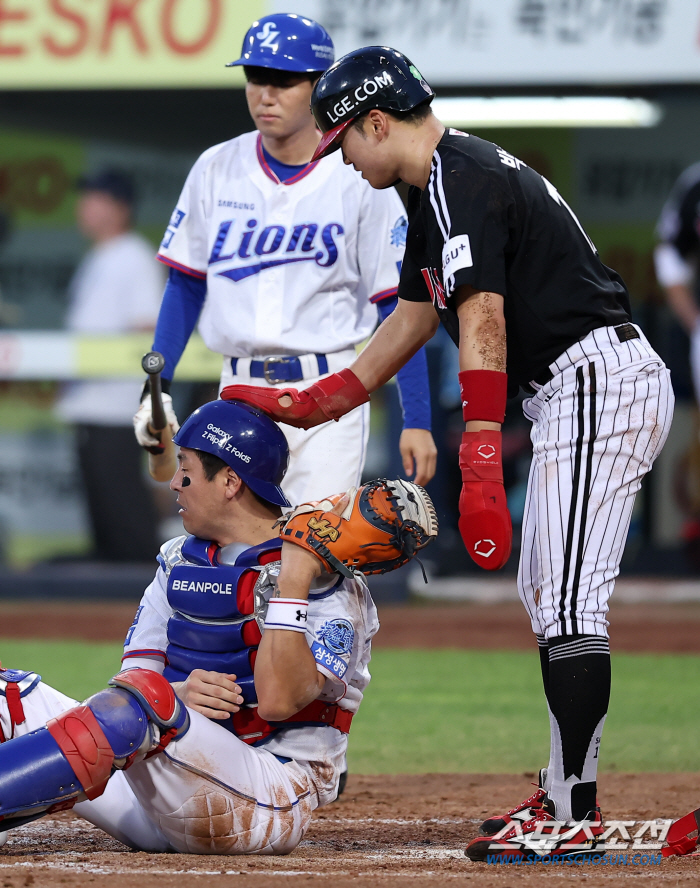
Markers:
point(386, 830)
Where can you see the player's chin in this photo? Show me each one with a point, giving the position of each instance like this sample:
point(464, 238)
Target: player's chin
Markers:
point(379, 180)
point(271, 126)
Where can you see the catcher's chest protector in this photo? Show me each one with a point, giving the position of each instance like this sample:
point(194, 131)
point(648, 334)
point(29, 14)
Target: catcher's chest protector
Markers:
point(215, 625)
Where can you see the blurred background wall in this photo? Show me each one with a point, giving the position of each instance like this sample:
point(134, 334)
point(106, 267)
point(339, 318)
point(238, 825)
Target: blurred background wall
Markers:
point(142, 85)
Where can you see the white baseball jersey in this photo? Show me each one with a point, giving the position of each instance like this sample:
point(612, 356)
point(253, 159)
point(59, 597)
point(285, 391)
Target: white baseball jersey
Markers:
point(209, 792)
point(348, 604)
point(291, 268)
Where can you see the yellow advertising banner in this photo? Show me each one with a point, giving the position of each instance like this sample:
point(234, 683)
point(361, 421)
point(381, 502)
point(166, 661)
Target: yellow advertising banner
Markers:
point(85, 44)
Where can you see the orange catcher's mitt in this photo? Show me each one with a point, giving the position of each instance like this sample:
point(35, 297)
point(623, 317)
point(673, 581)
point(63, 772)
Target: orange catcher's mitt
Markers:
point(382, 527)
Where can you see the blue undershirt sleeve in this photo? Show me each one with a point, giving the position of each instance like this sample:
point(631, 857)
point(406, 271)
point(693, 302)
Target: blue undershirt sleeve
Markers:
point(179, 311)
point(412, 380)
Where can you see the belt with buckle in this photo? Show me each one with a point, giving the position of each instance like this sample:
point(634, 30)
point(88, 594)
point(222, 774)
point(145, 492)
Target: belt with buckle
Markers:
point(624, 333)
point(281, 368)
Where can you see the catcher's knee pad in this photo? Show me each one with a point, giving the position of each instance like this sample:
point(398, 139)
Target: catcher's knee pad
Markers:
point(138, 713)
point(76, 752)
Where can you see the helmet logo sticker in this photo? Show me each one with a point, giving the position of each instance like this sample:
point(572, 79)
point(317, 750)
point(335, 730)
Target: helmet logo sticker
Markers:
point(361, 94)
point(268, 36)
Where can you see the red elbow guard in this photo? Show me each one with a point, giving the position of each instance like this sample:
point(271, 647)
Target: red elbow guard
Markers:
point(484, 394)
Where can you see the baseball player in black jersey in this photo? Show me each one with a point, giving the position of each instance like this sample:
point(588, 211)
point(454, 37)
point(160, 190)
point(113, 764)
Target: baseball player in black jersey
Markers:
point(496, 254)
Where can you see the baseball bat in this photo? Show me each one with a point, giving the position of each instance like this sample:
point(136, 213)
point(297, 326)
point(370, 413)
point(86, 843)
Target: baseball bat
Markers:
point(161, 460)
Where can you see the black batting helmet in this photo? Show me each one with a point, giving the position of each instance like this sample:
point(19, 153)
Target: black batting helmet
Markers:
point(371, 77)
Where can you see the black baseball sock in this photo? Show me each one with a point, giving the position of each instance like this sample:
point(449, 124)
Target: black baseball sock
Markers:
point(578, 693)
point(543, 647)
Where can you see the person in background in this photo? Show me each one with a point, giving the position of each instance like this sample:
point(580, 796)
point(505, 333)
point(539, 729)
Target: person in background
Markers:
point(116, 289)
point(676, 259)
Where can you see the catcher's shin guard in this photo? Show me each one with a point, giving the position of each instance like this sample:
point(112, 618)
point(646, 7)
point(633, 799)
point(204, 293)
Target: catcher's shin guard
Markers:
point(73, 757)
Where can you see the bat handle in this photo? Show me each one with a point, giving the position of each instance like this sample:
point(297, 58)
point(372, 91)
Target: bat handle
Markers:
point(158, 418)
point(153, 364)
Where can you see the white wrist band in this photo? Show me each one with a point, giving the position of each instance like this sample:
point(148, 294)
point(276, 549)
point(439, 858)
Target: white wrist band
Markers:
point(287, 613)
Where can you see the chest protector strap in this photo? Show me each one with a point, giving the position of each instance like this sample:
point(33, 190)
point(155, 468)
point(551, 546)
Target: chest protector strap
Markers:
point(249, 727)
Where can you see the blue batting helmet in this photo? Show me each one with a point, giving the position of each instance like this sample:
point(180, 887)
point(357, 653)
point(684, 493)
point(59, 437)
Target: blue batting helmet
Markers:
point(287, 42)
point(245, 439)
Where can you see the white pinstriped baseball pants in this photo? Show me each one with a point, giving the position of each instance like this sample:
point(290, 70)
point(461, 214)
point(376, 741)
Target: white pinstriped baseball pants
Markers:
point(597, 427)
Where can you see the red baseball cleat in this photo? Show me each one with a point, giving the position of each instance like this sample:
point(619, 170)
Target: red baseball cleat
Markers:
point(522, 812)
point(541, 837)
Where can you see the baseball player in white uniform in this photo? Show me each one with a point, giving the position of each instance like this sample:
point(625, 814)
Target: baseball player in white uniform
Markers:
point(235, 763)
point(287, 263)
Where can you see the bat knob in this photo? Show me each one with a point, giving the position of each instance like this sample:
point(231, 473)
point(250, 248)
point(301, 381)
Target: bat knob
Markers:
point(153, 362)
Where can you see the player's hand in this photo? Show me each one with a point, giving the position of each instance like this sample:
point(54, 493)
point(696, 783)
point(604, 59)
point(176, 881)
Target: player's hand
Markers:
point(214, 694)
point(142, 419)
point(330, 398)
point(419, 454)
point(484, 519)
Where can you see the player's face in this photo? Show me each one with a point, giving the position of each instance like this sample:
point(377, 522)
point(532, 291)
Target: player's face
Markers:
point(279, 102)
point(99, 215)
point(201, 501)
point(369, 155)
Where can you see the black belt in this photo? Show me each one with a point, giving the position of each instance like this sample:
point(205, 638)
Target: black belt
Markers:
point(624, 332)
point(281, 368)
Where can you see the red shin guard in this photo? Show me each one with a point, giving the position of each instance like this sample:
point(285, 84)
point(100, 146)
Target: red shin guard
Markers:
point(82, 741)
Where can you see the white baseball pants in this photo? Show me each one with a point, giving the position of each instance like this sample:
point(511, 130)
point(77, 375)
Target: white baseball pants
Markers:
point(208, 793)
point(597, 427)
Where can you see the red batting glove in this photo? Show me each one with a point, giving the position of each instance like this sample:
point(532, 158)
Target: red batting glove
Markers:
point(484, 520)
point(330, 398)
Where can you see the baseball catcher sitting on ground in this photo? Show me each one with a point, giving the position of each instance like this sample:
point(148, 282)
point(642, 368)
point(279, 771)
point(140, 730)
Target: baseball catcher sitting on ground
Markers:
point(243, 668)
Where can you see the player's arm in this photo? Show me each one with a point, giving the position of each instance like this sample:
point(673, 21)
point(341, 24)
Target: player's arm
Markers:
point(185, 251)
point(179, 311)
point(286, 678)
point(406, 329)
point(416, 444)
point(675, 276)
point(484, 521)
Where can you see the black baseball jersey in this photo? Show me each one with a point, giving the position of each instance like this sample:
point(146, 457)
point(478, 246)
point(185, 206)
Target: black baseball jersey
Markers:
point(487, 220)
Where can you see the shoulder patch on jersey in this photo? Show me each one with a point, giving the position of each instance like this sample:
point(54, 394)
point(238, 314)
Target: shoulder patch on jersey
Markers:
point(337, 635)
point(171, 553)
point(456, 254)
point(398, 232)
